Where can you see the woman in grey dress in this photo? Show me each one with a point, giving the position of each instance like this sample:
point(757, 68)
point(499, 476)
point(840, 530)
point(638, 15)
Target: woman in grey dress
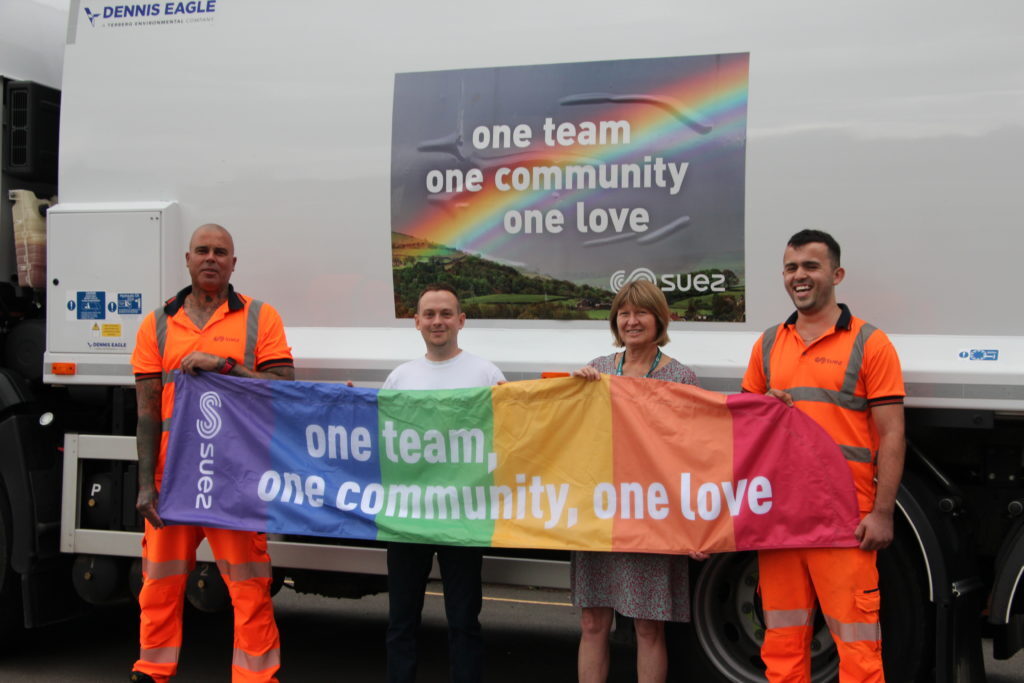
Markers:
point(652, 589)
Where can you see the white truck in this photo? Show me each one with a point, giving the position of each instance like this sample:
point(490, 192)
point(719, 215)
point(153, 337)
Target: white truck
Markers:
point(895, 126)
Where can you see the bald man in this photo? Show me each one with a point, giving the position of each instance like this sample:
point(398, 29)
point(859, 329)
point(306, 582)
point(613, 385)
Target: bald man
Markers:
point(206, 327)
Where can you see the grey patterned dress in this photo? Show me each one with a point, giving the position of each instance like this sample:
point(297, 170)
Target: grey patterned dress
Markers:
point(638, 585)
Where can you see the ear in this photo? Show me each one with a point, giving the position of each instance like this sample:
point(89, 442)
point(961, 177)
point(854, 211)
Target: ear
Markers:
point(838, 276)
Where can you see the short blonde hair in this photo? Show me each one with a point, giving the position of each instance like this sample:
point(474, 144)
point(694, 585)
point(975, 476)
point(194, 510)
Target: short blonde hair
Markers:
point(646, 295)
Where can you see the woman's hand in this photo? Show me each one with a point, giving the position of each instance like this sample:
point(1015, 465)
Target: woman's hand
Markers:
point(587, 372)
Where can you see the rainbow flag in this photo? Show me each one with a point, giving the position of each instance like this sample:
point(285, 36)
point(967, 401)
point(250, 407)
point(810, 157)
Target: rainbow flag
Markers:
point(621, 464)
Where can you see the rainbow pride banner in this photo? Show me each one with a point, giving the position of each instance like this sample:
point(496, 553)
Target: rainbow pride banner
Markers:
point(621, 464)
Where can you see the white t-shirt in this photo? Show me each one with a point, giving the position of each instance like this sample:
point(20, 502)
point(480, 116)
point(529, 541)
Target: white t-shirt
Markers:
point(461, 372)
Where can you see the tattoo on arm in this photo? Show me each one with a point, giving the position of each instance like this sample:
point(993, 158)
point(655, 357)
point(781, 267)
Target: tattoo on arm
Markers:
point(283, 372)
point(148, 394)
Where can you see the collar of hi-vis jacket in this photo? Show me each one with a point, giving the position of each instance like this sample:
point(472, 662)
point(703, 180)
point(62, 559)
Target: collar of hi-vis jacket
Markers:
point(174, 304)
point(844, 322)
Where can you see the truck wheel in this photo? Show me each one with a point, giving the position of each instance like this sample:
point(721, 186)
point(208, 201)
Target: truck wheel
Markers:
point(11, 613)
point(724, 640)
point(908, 617)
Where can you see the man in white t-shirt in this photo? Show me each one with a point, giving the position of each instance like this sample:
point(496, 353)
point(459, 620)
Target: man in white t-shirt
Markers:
point(439, 318)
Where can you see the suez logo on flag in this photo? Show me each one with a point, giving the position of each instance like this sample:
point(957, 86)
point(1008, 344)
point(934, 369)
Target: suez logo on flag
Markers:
point(618, 464)
point(150, 13)
point(208, 427)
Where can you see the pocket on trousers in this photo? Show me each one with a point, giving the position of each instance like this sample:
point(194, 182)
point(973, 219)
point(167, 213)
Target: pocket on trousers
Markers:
point(868, 601)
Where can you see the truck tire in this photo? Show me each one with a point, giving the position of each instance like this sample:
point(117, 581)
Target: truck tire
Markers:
point(11, 613)
point(723, 641)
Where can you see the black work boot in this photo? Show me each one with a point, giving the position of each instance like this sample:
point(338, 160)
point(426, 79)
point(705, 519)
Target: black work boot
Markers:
point(139, 677)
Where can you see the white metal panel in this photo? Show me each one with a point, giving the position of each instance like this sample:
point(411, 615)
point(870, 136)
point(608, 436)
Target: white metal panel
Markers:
point(894, 125)
point(105, 272)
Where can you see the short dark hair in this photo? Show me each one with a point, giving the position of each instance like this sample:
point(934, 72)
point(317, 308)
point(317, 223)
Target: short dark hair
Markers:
point(805, 237)
point(440, 287)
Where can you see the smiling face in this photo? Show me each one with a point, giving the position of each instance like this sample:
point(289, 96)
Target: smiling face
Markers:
point(810, 277)
point(439, 319)
point(639, 313)
point(210, 259)
point(638, 327)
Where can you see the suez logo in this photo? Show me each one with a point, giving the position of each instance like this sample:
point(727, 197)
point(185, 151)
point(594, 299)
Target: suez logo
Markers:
point(151, 10)
point(208, 427)
point(671, 282)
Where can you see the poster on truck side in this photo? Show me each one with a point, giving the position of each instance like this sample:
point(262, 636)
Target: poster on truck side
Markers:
point(538, 191)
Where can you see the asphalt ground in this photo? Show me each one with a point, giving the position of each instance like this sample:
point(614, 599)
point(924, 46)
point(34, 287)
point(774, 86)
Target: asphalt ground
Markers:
point(530, 635)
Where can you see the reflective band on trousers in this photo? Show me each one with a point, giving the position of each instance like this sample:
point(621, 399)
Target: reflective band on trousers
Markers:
point(161, 570)
point(783, 618)
point(244, 570)
point(160, 655)
point(853, 632)
point(249, 662)
point(252, 327)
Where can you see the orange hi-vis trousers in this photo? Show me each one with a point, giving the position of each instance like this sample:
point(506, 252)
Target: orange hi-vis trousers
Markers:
point(845, 581)
point(168, 555)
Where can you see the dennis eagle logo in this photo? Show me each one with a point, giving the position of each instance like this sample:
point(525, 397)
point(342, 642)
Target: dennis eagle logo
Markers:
point(619, 279)
point(209, 426)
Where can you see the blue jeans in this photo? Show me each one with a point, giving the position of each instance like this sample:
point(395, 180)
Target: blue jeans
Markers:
point(408, 570)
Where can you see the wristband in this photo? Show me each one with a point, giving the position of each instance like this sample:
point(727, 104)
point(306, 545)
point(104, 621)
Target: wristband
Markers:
point(229, 364)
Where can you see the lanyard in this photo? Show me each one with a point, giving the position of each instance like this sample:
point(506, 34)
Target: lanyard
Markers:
point(622, 361)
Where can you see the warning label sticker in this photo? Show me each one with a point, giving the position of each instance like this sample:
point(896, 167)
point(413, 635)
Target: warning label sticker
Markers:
point(91, 305)
point(129, 303)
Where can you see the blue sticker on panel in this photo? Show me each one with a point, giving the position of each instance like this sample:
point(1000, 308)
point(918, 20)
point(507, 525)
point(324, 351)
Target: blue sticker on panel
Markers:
point(92, 305)
point(129, 303)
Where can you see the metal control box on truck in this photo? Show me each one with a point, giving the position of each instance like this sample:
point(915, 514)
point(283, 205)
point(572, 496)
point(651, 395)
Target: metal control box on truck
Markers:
point(308, 129)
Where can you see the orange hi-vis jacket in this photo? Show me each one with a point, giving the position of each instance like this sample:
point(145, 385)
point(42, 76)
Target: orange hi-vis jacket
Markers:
point(252, 333)
point(245, 329)
point(836, 379)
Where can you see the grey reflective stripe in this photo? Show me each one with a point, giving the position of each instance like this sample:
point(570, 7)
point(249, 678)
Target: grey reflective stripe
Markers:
point(161, 570)
point(782, 618)
point(166, 425)
point(767, 342)
point(159, 655)
point(856, 359)
point(161, 331)
point(244, 570)
point(856, 453)
point(845, 397)
point(161, 345)
point(855, 631)
point(249, 662)
point(252, 331)
point(838, 398)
